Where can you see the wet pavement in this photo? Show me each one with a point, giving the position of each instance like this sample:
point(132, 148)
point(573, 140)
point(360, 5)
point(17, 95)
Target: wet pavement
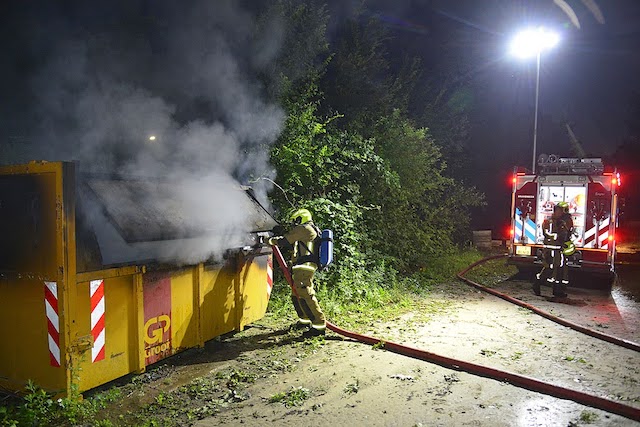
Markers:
point(614, 313)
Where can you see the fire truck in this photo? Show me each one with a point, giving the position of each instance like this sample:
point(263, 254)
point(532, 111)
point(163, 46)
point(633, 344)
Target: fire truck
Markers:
point(591, 190)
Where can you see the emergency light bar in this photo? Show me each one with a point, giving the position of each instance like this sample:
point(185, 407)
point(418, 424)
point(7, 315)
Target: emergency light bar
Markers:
point(552, 164)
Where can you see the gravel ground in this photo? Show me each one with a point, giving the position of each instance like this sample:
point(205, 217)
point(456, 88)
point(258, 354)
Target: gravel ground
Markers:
point(350, 383)
point(269, 375)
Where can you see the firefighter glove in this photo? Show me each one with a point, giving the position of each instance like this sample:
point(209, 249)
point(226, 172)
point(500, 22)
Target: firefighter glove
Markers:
point(568, 248)
point(273, 241)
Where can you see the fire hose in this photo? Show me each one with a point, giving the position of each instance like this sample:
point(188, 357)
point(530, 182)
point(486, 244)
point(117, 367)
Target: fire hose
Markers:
point(521, 381)
point(596, 334)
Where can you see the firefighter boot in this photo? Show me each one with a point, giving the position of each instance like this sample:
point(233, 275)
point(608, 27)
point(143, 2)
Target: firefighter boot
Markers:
point(314, 332)
point(303, 320)
point(301, 324)
point(558, 290)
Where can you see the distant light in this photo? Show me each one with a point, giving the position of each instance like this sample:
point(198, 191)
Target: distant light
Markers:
point(152, 138)
point(532, 41)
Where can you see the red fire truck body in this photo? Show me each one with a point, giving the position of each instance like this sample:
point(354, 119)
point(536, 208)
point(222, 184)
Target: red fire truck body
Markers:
point(592, 195)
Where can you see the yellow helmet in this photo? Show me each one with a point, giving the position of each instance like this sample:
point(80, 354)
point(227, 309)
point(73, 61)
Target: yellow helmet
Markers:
point(301, 216)
point(564, 206)
point(568, 248)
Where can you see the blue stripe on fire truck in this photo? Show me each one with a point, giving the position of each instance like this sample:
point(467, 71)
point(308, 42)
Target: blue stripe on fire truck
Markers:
point(529, 228)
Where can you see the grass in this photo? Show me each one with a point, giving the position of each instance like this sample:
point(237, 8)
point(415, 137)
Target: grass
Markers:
point(588, 417)
point(516, 355)
point(380, 293)
point(491, 272)
point(378, 346)
point(575, 359)
point(352, 388)
point(39, 407)
point(201, 398)
point(296, 396)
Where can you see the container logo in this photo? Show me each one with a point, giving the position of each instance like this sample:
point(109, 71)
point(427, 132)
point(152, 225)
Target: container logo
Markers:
point(155, 329)
point(157, 317)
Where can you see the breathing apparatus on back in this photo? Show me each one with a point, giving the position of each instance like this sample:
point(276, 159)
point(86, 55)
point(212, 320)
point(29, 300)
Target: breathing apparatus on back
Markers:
point(321, 249)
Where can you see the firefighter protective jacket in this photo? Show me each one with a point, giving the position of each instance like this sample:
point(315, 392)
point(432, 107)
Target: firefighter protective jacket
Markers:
point(302, 238)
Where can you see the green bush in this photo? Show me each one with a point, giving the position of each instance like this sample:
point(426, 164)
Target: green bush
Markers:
point(40, 408)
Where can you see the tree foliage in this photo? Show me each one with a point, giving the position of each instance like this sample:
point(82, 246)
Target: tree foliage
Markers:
point(351, 153)
point(361, 80)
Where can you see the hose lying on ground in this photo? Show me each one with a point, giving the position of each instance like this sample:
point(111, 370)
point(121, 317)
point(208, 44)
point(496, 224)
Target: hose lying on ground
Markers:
point(596, 334)
point(483, 371)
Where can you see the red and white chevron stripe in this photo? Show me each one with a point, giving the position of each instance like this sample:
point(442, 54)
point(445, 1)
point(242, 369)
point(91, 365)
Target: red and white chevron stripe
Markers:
point(53, 322)
point(269, 275)
point(603, 236)
point(97, 320)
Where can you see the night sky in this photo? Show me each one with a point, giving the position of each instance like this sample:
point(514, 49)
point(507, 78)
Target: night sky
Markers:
point(586, 80)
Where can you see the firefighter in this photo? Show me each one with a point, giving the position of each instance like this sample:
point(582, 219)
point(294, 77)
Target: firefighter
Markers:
point(557, 246)
point(547, 256)
point(564, 225)
point(303, 267)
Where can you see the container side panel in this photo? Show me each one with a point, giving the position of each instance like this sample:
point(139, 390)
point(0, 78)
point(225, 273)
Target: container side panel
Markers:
point(24, 332)
point(31, 342)
point(157, 316)
point(218, 301)
point(184, 326)
point(113, 352)
point(255, 289)
point(28, 224)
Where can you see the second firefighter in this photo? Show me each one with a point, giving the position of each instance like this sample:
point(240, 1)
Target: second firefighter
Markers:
point(557, 231)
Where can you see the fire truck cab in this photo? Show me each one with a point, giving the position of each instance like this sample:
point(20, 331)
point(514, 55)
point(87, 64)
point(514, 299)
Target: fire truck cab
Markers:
point(590, 189)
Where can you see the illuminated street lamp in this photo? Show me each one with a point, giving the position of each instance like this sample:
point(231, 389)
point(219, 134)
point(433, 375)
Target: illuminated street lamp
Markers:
point(526, 44)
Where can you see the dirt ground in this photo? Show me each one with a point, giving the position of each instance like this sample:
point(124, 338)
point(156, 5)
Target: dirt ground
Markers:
point(337, 382)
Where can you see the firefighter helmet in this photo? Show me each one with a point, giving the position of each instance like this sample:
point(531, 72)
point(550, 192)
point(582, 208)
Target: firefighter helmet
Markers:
point(301, 216)
point(568, 248)
point(564, 206)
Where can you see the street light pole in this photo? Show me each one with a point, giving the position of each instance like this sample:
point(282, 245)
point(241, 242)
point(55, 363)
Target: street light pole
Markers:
point(535, 119)
point(526, 44)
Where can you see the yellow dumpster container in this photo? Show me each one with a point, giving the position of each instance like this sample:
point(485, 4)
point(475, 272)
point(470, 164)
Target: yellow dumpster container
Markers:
point(68, 317)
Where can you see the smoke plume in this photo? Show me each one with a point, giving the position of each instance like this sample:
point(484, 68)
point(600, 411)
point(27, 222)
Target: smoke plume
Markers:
point(164, 90)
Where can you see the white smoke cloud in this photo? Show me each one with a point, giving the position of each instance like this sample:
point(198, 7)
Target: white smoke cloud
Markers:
point(192, 84)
